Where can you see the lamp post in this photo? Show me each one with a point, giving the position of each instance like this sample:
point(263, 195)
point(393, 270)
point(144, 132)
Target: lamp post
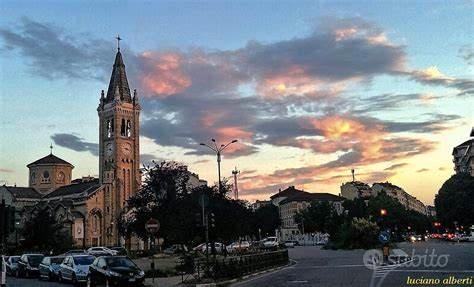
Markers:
point(218, 150)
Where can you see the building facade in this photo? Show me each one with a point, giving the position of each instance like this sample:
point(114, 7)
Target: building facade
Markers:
point(356, 189)
point(408, 201)
point(292, 201)
point(463, 157)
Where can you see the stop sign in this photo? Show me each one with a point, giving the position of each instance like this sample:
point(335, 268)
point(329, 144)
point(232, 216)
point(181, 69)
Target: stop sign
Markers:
point(152, 226)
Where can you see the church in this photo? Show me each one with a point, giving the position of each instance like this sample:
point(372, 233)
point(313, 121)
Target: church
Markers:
point(89, 207)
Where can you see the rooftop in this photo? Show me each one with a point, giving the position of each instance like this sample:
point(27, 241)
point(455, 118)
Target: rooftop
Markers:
point(308, 196)
point(50, 159)
point(23, 192)
point(289, 192)
point(76, 188)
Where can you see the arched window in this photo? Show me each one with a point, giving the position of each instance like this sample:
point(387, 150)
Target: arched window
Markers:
point(129, 128)
point(122, 128)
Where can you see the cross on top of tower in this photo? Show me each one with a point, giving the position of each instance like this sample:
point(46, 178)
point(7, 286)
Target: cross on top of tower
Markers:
point(51, 148)
point(118, 42)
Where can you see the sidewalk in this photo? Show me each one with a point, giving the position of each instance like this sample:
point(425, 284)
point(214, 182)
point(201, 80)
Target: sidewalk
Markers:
point(163, 281)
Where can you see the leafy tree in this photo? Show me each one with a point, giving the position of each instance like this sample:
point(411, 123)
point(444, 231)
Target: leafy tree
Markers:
point(455, 201)
point(357, 233)
point(43, 233)
point(320, 217)
point(267, 219)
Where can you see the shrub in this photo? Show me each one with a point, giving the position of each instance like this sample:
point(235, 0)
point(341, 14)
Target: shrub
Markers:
point(358, 233)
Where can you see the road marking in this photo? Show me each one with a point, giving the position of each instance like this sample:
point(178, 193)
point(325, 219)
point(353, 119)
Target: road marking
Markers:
point(298, 281)
point(434, 271)
point(327, 266)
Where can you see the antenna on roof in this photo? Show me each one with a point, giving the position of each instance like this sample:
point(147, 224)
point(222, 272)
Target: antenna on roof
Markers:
point(353, 175)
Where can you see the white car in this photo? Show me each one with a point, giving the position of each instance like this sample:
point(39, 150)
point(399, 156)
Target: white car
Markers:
point(270, 243)
point(219, 246)
point(101, 251)
point(75, 268)
point(238, 246)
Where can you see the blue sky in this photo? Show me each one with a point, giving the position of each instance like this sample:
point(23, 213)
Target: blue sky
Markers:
point(201, 57)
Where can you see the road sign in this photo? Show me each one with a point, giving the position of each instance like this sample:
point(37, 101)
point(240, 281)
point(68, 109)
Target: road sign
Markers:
point(384, 237)
point(152, 226)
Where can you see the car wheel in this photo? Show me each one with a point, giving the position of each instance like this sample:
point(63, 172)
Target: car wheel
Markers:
point(27, 274)
point(60, 277)
point(74, 280)
point(50, 276)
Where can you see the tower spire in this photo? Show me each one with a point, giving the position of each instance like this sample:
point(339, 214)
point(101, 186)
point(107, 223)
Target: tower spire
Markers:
point(51, 148)
point(118, 79)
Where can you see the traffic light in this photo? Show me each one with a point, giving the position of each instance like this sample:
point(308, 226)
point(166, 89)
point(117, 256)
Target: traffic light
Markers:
point(212, 219)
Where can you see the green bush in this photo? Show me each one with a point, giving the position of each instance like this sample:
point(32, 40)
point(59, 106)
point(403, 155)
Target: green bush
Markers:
point(356, 234)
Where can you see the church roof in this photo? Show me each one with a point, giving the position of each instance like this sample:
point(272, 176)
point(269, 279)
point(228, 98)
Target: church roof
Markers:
point(75, 189)
point(23, 192)
point(50, 159)
point(118, 81)
point(289, 192)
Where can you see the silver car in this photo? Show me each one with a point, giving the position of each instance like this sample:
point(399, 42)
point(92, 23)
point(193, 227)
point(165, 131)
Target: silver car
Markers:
point(12, 265)
point(75, 268)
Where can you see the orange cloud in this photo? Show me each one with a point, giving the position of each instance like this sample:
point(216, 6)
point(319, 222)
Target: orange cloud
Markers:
point(164, 76)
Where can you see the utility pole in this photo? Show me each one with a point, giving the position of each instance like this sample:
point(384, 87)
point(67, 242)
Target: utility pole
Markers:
point(236, 188)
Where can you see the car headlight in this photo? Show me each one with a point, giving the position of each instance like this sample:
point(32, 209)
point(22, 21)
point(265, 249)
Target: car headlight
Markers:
point(141, 273)
point(113, 273)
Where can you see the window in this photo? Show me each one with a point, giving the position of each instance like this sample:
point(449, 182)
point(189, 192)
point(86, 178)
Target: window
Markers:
point(45, 178)
point(129, 129)
point(110, 127)
point(122, 128)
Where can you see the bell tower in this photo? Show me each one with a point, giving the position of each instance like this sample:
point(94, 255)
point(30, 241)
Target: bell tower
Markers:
point(119, 153)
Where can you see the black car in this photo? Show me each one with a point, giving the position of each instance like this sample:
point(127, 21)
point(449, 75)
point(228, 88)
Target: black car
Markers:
point(28, 265)
point(49, 267)
point(115, 271)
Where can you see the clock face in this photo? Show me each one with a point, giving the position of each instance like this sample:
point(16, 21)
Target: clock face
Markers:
point(109, 149)
point(126, 148)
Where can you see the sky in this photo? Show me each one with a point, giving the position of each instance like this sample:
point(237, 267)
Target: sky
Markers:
point(310, 89)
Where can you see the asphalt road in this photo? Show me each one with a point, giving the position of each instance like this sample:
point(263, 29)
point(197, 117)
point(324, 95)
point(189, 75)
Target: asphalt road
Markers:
point(317, 267)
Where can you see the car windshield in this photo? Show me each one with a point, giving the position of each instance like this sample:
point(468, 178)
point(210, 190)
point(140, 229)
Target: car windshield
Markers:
point(57, 260)
point(35, 259)
point(120, 262)
point(83, 260)
point(14, 259)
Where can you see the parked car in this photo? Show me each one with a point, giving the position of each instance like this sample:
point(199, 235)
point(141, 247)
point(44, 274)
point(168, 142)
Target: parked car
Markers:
point(238, 246)
point(115, 271)
point(290, 243)
point(76, 251)
point(28, 265)
point(11, 264)
point(49, 267)
point(270, 243)
point(217, 245)
point(101, 251)
point(120, 250)
point(175, 248)
point(75, 268)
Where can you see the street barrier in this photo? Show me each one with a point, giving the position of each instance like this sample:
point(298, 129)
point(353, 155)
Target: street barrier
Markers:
point(238, 266)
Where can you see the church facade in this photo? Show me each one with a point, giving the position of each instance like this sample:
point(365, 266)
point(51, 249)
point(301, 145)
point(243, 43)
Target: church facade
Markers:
point(90, 207)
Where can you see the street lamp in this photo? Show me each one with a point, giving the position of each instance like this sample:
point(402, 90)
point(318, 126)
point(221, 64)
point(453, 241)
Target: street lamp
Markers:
point(218, 150)
point(383, 212)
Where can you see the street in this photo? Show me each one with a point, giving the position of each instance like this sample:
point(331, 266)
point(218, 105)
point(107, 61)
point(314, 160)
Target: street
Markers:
point(317, 267)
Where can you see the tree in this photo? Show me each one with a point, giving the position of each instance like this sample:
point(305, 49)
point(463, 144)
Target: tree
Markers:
point(455, 201)
point(43, 233)
point(266, 219)
point(357, 233)
point(320, 217)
